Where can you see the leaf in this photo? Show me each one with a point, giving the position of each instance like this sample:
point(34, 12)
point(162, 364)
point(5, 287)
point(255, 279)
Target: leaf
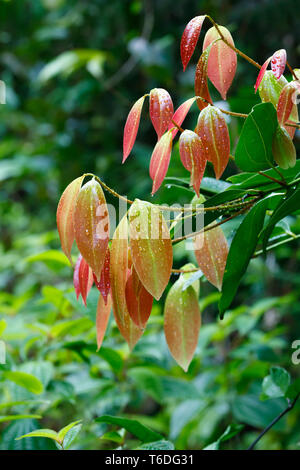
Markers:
point(261, 73)
point(180, 115)
point(231, 431)
point(161, 110)
point(28, 381)
point(287, 205)
point(82, 279)
point(104, 284)
point(71, 435)
point(201, 86)
point(211, 251)
point(118, 278)
point(131, 127)
point(91, 225)
point(241, 251)
point(63, 432)
point(286, 101)
point(64, 216)
point(254, 148)
point(4, 419)
point(283, 149)
point(51, 258)
point(140, 431)
point(160, 160)
point(193, 157)
point(190, 38)
point(278, 63)
point(139, 301)
point(158, 445)
point(222, 60)
point(102, 317)
point(213, 132)
point(151, 247)
point(277, 383)
point(182, 321)
point(42, 433)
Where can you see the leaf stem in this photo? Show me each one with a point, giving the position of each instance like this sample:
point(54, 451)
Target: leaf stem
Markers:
point(273, 179)
point(230, 113)
point(291, 70)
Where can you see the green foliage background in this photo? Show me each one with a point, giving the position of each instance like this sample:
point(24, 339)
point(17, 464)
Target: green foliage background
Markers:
point(72, 69)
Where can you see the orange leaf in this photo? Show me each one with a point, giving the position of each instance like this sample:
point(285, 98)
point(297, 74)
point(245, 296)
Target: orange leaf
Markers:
point(201, 87)
point(118, 278)
point(182, 321)
point(64, 216)
point(190, 38)
point(161, 110)
point(193, 157)
point(151, 246)
point(180, 115)
point(102, 317)
point(104, 284)
point(211, 250)
point(212, 130)
point(222, 60)
point(82, 279)
point(131, 127)
point(91, 225)
point(139, 301)
point(160, 160)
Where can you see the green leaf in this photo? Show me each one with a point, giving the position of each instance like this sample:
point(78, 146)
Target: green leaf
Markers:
point(286, 206)
point(3, 419)
point(52, 258)
point(28, 381)
point(254, 149)
point(134, 427)
point(277, 383)
point(158, 445)
point(113, 436)
point(41, 433)
point(62, 433)
point(71, 435)
point(229, 432)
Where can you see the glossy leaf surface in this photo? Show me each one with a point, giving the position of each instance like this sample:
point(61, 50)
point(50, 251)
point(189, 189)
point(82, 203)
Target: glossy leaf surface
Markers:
point(193, 157)
point(201, 86)
point(82, 279)
point(190, 38)
point(161, 110)
point(131, 127)
point(160, 160)
point(180, 115)
point(139, 301)
point(102, 317)
point(104, 284)
point(283, 149)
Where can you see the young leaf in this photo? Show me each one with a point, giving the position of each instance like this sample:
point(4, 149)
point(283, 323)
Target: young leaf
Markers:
point(118, 279)
point(190, 38)
point(139, 301)
point(278, 63)
point(222, 60)
point(91, 225)
point(193, 157)
point(104, 284)
point(161, 110)
point(180, 115)
point(49, 433)
point(286, 101)
point(160, 160)
point(182, 321)
point(64, 216)
point(213, 132)
point(201, 86)
point(82, 279)
point(151, 246)
point(261, 73)
point(211, 251)
point(25, 380)
point(102, 317)
point(254, 148)
point(140, 431)
point(283, 149)
point(131, 127)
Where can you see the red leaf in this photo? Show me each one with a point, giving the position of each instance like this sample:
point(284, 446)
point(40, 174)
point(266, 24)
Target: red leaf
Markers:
point(261, 73)
point(160, 160)
point(83, 278)
point(91, 225)
point(104, 284)
point(211, 252)
point(161, 110)
point(193, 157)
point(180, 115)
point(190, 38)
point(118, 278)
point(201, 87)
point(102, 317)
point(64, 216)
point(131, 127)
point(151, 246)
point(182, 321)
point(222, 60)
point(278, 63)
point(286, 101)
point(213, 131)
point(139, 301)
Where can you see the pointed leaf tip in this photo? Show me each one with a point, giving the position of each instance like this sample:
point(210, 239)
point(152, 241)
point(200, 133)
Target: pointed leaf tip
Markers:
point(180, 115)
point(193, 157)
point(160, 160)
point(190, 38)
point(131, 127)
point(82, 279)
point(261, 74)
point(161, 110)
point(102, 317)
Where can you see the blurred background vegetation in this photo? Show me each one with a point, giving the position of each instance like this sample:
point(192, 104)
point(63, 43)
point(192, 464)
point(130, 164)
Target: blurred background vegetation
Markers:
point(72, 70)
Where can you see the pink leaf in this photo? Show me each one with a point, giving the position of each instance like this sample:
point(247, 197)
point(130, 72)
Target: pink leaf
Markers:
point(131, 127)
point(102, 317)
point(180, 115)
point(161, 110)
point(193, 157)
point(160, 160)
point(190, 38)
point(83, 278)
point(261, 73)
point(104, 284)
point(278, 63)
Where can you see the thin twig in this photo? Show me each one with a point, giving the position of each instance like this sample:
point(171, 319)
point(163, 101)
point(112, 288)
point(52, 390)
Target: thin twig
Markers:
point(273, 179)
point(291, 70)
